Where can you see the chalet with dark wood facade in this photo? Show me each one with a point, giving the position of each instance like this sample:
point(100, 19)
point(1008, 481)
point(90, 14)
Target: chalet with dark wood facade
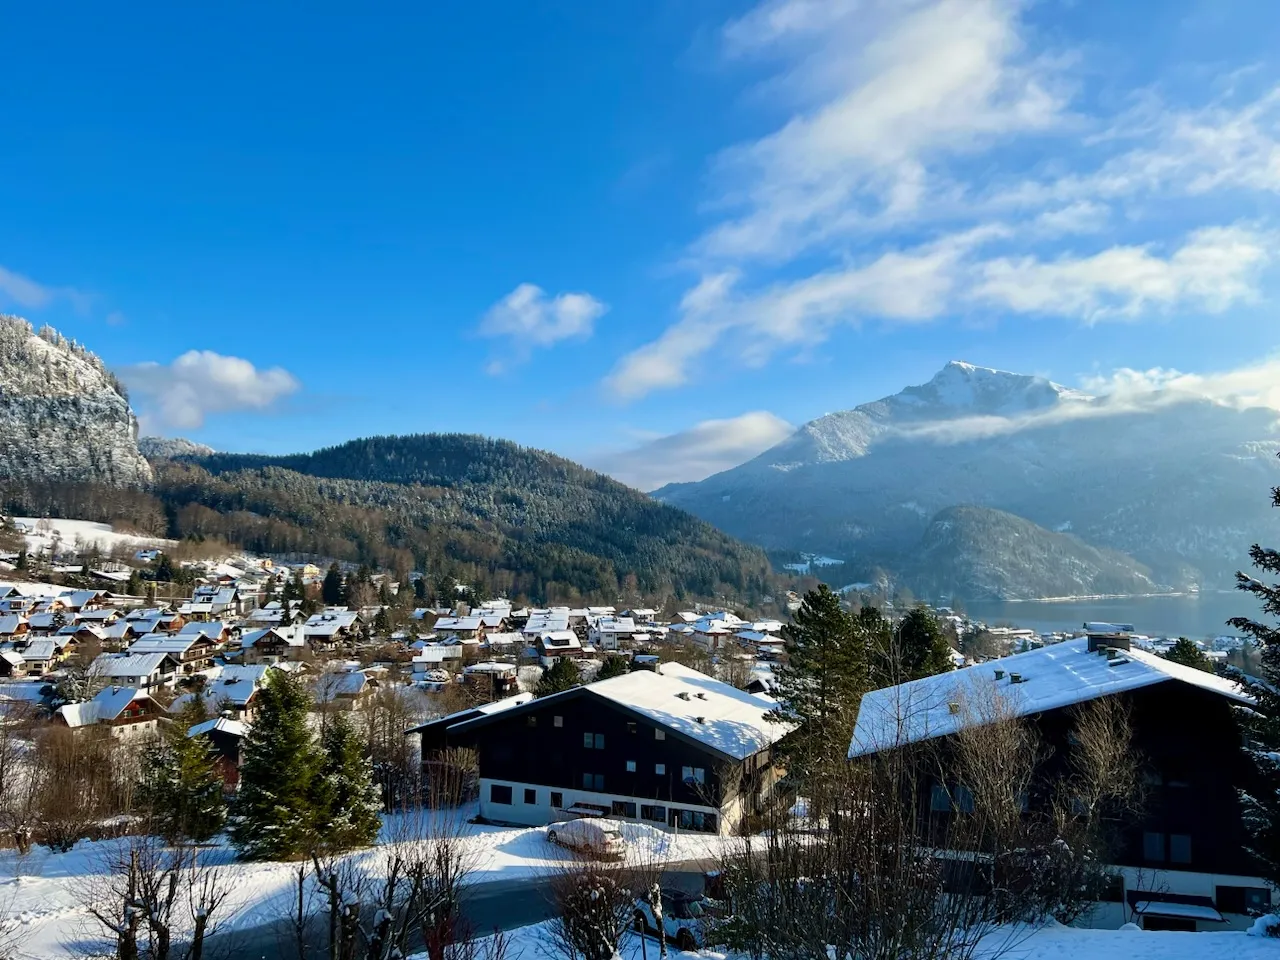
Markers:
point(671, 747)
point(1181, 862)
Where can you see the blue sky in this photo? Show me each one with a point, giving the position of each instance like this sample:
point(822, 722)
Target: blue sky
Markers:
point(585, 226)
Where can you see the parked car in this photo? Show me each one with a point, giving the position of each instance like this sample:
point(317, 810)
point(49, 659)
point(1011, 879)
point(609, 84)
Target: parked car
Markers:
point(683, 916)
point(600, 837)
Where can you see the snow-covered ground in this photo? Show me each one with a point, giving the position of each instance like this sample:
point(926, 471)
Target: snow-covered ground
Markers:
point(86, 531)
point(43, 892)
point(1051, 943)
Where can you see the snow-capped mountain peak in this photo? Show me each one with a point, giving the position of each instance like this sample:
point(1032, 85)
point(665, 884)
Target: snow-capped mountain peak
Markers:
point(961, 388)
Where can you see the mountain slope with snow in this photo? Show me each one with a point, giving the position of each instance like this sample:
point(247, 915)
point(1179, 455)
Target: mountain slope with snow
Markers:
point(63, 415)
point(1180, 484)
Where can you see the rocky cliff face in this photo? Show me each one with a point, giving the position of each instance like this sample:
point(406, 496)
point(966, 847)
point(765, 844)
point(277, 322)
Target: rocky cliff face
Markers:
point(172, 448)
point(63, 415)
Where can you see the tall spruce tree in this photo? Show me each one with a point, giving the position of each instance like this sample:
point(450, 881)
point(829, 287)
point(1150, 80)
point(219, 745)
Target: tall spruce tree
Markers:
point(274, 816)
point(346, 800)
point(332, 590)
point(918, 647)
point(1261, 793)
point(180, 785)
point(822, 680)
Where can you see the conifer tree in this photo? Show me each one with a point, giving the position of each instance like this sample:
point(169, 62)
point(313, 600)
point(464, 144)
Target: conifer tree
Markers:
point(614, 666)
point(180, 785)
point(1261, 793)
point(346, 800)
point(917, 649)
point(1188, 654)
point(331, 590)
point(562, 675)
point(273, 817)
point(821, 682)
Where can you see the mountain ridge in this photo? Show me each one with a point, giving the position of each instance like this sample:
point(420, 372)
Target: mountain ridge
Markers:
point(1175, 485)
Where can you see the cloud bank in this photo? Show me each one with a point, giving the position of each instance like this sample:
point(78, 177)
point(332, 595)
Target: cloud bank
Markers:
point(695, 454)
point(180, 395)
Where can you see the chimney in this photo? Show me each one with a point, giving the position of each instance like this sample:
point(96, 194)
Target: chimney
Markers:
point(953, 707)
point(1114, 635)
point(999, 674)
point(1015, 678)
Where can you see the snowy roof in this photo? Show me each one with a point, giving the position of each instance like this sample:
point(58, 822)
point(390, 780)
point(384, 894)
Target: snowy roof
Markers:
point(484, 710)
point(127, 665)
point(560, 640)
point(109, 703)
point(498, 639)
point(177, 645)
point(490, 666)
point(40, 650)
point(213, 629)
point(11, 658)
point(692, 705)
point(290, 635)
point(222, 725)
point(1051, 677)
point(40, 621)
point(1190, 911)
point(340, 683)
point(10, 623)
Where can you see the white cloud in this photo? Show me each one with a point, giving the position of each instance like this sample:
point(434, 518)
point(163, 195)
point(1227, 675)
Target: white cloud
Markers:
point(1215, 268)
point(695, 454)
point(180, 395)
point(885, 90)
point(25, 292)
point(527, 319)
point(1253, 385)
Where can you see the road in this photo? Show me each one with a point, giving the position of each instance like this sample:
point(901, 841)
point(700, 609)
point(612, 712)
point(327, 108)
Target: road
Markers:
point(487, 906)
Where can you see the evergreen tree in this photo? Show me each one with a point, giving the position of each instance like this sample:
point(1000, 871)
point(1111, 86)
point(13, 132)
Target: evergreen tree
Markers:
point(381, 623)
point(273, 817)
point(180, 785)
point(917, 649)
point(346, 799)
point(614, 667)
point(332, 591)
point(134, 587)
point(1261, 792)
point(1188, 654)
point(820, 684)
point(562, 675)
point(21, 563)
point(420, 590)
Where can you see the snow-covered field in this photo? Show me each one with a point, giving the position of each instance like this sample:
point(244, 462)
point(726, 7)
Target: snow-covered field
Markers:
point(43, 892)
point(1051, 943)
point(86, 531)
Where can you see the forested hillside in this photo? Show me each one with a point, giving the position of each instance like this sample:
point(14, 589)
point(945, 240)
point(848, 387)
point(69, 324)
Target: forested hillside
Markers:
point(514, 520)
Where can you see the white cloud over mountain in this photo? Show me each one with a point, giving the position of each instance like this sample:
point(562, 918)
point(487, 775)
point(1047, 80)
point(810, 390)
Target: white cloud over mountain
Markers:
point(181, 394)
point(936, 160)
point(694, 454)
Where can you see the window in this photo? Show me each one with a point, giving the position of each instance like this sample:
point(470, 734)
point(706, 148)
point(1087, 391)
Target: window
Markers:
point(624, 808)
point(1180, 848)
point(1251, 900)
point(593, 781)
point(593, 741)
point(557, 799)
point(557, 721)
point(631, 766)
point(660, 769)
point(531, 721)
point(939, 799)
point(631, 728)
point(697, 821)
point(656, 814)
point(499, 794)
point(659, 734)
point(530, 795)
point(1153, 847)
point(693, 774)
point(957, 799)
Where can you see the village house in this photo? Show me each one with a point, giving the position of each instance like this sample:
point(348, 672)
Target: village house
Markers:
point(232, 692)
point(193, 652)
point(124, 712)
point(1181, 862)
point(560, 643)
point(613, 633)
point(671, 747)
point(273, 644)
point(331, 626)
point(342, 689)
point(492, 680)
point(146, 671)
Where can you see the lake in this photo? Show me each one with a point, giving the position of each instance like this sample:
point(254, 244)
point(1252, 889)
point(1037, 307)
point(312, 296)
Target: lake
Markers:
point(1194, 615)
